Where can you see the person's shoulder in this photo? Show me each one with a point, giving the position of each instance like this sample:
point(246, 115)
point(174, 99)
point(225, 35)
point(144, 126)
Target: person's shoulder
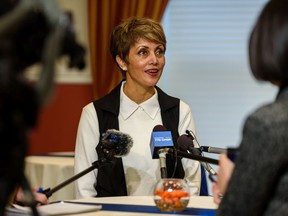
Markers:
point(110, 100)
point(270, 113)
point(272, 109)
point(88, 108)
point(184, 105)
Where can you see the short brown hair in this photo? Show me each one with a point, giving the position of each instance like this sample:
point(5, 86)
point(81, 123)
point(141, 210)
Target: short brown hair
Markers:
point(128, 32)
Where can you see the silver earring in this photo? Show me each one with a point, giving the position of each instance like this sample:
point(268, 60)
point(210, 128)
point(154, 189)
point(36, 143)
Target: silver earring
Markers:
point(124, 68)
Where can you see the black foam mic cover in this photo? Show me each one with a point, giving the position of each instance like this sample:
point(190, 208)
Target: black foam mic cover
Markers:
point(115, 143)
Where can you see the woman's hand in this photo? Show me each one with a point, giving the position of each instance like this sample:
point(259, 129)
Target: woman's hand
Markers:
point(226, 167)
point(40, 198)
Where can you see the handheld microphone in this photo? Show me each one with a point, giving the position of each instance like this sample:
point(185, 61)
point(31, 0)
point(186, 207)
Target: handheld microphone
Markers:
point(161, 141)
point(177, 153)
point(185, 143)
point(214, 150)
point(208, 149)
point(114, 144)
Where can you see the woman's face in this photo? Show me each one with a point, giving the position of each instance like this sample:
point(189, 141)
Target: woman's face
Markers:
point(145, 63)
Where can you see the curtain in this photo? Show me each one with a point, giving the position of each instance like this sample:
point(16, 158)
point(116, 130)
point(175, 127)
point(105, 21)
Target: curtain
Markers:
point(103, 16)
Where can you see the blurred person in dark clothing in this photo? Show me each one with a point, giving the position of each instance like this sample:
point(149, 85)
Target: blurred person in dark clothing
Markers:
point(258, 183)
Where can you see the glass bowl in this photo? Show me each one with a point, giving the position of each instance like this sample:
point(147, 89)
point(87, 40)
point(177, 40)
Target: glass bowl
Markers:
point(171, 194)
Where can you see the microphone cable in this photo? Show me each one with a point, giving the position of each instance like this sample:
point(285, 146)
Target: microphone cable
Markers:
point(192, 135)
point(175, 163)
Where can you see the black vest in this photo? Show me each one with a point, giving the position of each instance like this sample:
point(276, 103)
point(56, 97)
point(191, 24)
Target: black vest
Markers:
point(111, 179)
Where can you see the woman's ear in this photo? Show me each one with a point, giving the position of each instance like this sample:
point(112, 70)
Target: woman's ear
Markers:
point(122, 64)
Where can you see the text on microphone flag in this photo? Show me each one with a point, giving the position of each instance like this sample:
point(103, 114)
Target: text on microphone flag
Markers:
point(160, 139)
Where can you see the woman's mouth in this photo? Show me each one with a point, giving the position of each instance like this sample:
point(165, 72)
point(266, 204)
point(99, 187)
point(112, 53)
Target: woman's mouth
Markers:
point(152, 72)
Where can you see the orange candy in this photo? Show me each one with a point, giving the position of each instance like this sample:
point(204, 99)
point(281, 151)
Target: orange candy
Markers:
point(171, 198)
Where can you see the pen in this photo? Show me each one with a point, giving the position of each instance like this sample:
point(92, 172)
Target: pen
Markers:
point(40, 190)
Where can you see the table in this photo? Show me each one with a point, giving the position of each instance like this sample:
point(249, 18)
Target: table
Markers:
point(144, 205)
point(53, 169)
point(49, 170)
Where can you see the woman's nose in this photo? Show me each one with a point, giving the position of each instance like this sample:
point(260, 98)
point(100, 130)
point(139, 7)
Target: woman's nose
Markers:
point(153, 59)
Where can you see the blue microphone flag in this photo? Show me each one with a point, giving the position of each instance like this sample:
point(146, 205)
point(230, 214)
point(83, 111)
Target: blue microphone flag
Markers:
point(160, 140)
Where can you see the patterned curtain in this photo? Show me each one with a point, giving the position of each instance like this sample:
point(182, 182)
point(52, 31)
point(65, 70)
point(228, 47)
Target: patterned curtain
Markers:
point(103, 16)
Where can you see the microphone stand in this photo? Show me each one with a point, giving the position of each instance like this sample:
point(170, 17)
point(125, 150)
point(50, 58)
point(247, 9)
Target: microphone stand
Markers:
point(162, 157)
point(95, 165)
point(193, 157)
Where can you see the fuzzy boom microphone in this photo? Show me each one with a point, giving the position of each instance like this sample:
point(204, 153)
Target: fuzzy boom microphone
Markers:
point(115, 143)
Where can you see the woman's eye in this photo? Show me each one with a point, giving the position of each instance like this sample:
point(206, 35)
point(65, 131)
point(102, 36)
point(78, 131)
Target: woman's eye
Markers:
point(142, 52)
point(159, 52)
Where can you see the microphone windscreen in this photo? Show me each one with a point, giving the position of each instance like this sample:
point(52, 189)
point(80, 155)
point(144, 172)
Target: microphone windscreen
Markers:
point(184, 142)
point(116, 143)
point(159, 128)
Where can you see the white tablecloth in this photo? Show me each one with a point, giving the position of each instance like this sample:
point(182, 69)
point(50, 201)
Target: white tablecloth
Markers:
point(49, 171)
